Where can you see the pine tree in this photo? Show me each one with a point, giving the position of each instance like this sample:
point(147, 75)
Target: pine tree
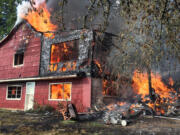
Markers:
point(7, 16)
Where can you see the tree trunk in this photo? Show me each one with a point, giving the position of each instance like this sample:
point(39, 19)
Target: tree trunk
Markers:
point(151, 91)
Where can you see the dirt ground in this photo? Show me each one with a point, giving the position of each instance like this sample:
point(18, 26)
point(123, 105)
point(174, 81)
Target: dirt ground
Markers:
point(21, 123)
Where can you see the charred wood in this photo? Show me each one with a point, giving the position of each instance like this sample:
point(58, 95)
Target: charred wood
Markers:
point(90, 116)
point(72, 112)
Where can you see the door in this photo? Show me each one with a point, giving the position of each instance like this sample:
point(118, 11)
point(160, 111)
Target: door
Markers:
point(29, 97)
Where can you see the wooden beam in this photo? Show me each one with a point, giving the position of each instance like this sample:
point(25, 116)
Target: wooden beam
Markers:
point(38, 78)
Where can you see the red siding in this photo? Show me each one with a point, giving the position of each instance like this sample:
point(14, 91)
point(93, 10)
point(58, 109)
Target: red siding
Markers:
point(11, 104)
point(80, 93)
point(81, 88)
point(31, 64)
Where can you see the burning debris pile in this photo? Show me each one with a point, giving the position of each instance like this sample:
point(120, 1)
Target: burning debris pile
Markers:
point(163, 100)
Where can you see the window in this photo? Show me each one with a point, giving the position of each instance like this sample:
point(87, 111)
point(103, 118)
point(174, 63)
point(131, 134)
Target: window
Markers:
point(60, 91)
point(14, 92)
point(18, 59)
point(63, 52)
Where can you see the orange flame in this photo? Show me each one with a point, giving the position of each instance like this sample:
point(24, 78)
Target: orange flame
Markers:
point(108, 87)
point(55, 53)
point(62, 52)
point(171, 82)
point(40, 20)
point(141, 87)
point(104, 83)
point(112, 107)
point(99, 65)
point(57, 91)
point(60, 91)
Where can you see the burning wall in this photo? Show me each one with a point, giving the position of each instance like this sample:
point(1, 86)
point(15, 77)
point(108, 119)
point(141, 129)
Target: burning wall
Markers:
point(79, 51)
point(73, 51)
point(38, 15)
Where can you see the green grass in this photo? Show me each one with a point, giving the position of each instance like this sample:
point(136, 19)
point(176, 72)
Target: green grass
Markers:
point(94, 124)
point(39, 124)
point(68, 122)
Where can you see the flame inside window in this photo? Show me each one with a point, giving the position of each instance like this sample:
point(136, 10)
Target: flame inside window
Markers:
point(66, 53)
point(63, 52)
point(60, 91)
point(14, 92)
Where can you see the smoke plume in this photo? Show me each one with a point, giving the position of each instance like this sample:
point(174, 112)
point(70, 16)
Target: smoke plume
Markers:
point(25, 7)
point(22, 10)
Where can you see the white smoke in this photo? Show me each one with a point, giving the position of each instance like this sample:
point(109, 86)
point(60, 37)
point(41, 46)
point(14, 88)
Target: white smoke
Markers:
point(25, 7)
point(38, 3)
point(22, 10)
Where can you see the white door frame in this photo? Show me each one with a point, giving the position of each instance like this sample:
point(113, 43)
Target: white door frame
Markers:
point(29, 96)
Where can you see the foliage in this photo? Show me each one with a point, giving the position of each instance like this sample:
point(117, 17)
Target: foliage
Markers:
point(43, 108)
point(148, 30)
point(68, 122)
point(149, 39)
point(7, 16)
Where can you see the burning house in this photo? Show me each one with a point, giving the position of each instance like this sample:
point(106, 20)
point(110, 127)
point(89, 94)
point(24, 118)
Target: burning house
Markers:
point(48, 71)
point(44, 67)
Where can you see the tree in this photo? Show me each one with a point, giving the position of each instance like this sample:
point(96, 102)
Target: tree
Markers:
point(7, 16)
point(150, 36)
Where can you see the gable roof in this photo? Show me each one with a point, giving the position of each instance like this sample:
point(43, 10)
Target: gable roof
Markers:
point(11, 33)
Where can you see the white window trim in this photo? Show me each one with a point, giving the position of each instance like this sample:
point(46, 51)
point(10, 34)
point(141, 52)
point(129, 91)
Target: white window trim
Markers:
point(59, 99)
point(13, 98)
point(16, 66)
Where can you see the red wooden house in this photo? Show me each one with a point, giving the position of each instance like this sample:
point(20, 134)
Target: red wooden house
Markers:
point(34, 68)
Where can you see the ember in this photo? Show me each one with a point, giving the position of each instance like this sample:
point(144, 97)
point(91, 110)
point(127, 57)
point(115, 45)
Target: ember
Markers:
point(99, 65)
point(108, 87)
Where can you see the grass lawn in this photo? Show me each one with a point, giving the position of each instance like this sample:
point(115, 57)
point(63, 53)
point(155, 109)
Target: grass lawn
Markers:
point(21, 123)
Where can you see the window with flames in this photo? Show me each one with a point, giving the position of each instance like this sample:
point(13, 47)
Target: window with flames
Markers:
point(14, 92)
point(64, 52)
point(60, 91)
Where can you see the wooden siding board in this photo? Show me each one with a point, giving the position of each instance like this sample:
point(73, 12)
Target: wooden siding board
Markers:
point(31, 64)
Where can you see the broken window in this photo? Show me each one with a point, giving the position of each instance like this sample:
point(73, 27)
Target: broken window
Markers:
point(60, 91)
point(14, 92)
point(18, 59)
point(65, 51)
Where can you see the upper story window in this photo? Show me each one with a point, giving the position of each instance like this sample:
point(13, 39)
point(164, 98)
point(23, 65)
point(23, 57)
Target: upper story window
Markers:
point(18, 59)
point(65, 51)
point(14, 92)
